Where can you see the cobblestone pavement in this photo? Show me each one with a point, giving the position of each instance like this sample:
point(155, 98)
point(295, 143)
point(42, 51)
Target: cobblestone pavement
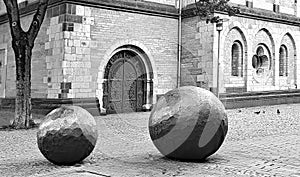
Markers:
point(264, 144)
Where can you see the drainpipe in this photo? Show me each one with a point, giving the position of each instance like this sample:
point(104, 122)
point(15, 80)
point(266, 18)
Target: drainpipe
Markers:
point(179, 45)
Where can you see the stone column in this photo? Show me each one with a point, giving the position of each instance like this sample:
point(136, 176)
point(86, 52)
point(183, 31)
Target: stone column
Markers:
point(297, 80)
point(149, 95)
point(276, 66)
point(249, 67)
point(77, 65)
point(100, 96)
point(54, 49)
point(221, 66)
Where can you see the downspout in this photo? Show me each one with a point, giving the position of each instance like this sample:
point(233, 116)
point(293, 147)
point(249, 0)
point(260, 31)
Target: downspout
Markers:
point(179, 44)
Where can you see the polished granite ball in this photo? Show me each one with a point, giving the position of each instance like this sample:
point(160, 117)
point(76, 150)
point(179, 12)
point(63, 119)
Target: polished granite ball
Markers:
point(188, 123)
point(67, 135)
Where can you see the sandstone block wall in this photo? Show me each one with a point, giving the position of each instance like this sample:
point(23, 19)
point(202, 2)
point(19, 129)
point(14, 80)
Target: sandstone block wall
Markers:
point(76, 42)
point(197, 53)
point(269, 34)
point(39, 87)
point(200, 43)
point(156, 36)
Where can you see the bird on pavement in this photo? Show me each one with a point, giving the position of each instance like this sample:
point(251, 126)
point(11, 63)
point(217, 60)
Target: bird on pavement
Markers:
point(257, 112)
point(278, 112)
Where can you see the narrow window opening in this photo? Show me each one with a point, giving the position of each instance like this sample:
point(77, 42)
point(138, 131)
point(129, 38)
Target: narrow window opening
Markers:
point(283, 61)
point(237, 60)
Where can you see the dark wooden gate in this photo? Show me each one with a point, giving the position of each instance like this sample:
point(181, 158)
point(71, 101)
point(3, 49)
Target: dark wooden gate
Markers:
point(125, 85)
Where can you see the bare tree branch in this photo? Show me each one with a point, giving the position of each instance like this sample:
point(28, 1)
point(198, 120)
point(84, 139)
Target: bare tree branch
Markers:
point(14, 18)
point(37, 21)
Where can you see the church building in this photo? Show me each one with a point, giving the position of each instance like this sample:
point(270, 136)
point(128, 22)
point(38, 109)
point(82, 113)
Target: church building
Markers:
point(126, 53)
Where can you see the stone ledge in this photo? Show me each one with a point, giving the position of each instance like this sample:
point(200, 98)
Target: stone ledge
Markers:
point(44, 105)
point(253, 13)
point(261, 93)
point(252, 99)
point(134, 5)
point(149, 8)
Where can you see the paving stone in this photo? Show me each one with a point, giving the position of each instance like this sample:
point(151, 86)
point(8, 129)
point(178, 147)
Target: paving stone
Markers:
point(265, 144)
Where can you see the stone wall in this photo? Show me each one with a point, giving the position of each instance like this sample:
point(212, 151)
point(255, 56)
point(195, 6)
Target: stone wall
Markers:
point(189, 55)
point(288, 7)
point(158, 39)
point(241, 2)
point(22, 4)
point(39, 72)
point(263, 4)
point(76, 42)
point(200, 43)
point(2, 7)
point(234, 35)
point(197, 53)
point(289, 81)
point(254, 33)
point(90, 36)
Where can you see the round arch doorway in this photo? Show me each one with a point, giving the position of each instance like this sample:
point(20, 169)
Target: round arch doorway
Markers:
point(125, 85)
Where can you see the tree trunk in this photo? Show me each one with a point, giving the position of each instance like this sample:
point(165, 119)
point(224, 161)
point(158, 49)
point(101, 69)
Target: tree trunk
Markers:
point(22, 44)
point(23, 52)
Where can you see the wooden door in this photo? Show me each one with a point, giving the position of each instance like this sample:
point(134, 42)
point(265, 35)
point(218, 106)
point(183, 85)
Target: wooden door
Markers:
point(124, 90)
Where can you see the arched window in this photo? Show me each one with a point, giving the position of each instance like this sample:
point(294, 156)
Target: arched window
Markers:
point(261, 61)
point(283, 61)
point(237, 59)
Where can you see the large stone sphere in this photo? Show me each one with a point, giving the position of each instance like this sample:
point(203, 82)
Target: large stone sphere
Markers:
point(67, 135)
point(188, 123)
